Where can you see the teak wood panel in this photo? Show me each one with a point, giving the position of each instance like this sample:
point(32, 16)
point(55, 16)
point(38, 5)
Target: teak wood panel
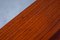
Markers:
point(40, 21)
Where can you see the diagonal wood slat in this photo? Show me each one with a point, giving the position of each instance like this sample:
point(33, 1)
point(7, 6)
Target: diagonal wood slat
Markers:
point(40, 21)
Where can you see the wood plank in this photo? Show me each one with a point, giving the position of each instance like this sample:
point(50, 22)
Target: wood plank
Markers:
point(37, 22)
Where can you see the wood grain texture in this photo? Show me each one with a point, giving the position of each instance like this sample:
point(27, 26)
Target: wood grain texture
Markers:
point(40, 21)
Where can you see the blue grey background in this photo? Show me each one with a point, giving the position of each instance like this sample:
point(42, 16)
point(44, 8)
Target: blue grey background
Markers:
point(11, 8)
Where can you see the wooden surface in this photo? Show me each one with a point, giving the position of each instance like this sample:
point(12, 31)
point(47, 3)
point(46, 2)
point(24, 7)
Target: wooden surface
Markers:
point(40, 21)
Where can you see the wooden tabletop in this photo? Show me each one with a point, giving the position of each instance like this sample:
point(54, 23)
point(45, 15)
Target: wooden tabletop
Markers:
point(40, 21)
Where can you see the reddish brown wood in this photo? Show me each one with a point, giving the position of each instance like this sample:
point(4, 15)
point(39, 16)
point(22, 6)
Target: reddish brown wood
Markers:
point(40, 21)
